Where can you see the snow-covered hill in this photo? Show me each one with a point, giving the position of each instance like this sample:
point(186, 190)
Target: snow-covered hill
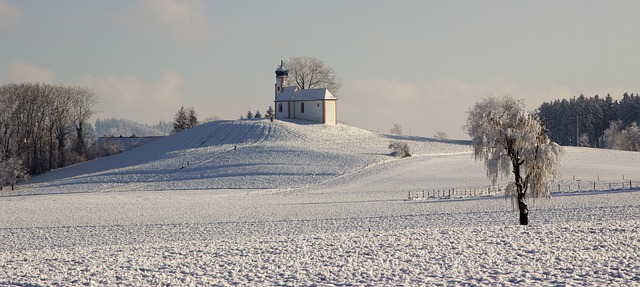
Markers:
point(250, 154)
point(255, 203)
point(258, 154)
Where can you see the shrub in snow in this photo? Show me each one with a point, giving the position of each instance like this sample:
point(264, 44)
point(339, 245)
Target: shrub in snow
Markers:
point(400, 149)
point(12, 171)
point(510, 139)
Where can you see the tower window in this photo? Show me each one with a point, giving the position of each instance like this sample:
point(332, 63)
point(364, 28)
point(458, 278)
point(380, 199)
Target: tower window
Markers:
point(280, 108)
point(302, 108)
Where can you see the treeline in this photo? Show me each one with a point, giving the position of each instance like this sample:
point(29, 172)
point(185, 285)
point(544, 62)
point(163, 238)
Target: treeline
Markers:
point(590, 121)
point(45, 126)
point(122, 127)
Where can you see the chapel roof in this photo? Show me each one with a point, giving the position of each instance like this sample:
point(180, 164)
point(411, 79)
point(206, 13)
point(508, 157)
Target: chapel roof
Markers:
point(291, 93)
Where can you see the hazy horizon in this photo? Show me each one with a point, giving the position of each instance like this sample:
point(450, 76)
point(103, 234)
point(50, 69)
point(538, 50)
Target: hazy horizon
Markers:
point(421, 64)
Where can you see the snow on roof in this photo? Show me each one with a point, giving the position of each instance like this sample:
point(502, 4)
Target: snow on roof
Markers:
point(291, 93)
point(286, 94)
point(313, 95)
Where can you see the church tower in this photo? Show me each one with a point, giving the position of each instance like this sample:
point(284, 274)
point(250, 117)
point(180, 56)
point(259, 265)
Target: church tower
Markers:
point(282, 78)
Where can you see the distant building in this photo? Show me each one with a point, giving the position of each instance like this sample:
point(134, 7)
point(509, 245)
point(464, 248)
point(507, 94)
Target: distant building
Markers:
point(317, 105)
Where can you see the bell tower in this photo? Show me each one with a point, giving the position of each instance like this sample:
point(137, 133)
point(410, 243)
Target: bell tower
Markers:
point(282, 78)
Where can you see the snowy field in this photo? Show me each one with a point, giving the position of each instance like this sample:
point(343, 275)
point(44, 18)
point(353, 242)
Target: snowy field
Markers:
point(254, 203)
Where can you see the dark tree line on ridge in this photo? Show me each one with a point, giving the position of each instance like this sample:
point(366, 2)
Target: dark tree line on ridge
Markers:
point(44, 126)
point(593, 121)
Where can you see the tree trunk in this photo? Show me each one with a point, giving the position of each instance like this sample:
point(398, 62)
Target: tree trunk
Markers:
point(522, 205)
point(524, 211)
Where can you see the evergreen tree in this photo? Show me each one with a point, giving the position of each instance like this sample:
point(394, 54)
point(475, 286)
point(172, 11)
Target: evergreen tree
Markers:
point(249, 114)
point(257, 115)
point(269, 113)
point(181, 121)
point(193, 118)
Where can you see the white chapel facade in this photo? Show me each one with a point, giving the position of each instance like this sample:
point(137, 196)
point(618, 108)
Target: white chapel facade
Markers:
point(317, 105)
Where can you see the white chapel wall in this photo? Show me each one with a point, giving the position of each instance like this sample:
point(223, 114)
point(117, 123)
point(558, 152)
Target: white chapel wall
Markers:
point(331, 112)
point(312, 111)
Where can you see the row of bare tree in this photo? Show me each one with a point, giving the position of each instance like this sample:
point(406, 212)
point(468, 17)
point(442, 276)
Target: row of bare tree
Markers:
point(44, 125)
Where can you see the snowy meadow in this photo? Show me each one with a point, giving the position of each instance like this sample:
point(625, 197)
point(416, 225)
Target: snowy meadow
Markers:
point(254, 203)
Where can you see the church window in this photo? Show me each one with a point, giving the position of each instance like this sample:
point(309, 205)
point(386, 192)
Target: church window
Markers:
point(280, 108)
point(302, 108)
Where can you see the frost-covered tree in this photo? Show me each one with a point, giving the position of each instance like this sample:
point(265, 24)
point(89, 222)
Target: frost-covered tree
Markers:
point(396, 130)
point(249, 114)
point(12, 171)
point(622, 139)
point(211, 119)
point(83, 99)
point(45, 125)
point(510, 139)
point(441, 135)
point(400, 149)
point(311, 72)
point(257, 115)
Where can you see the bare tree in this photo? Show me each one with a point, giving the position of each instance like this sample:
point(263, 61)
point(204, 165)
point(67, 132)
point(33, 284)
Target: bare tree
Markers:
point(622, 139)
point(396, 130)
point(510, 139)
point(37, 123)
point(441, 135)
point(83, 99)
point(311, 72)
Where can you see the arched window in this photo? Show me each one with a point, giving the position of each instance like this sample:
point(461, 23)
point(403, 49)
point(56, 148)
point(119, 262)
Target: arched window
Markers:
point(279, 108)
point(302, 108)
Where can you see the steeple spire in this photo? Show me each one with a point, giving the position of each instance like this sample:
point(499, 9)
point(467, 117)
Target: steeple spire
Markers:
point(282, 71)
point(282, 77)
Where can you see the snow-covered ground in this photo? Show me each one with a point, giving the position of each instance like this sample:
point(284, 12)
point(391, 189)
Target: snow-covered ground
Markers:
point(285, 204)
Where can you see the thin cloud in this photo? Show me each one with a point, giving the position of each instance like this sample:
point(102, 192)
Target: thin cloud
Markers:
point(133, 99)
point(182, 20)
point(26, 72)
point(10, 15)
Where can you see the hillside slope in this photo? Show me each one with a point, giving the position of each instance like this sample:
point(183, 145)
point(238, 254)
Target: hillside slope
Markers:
point(258, 154)
point(250, 154)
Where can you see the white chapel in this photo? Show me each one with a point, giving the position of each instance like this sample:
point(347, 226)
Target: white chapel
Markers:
point(317, 105)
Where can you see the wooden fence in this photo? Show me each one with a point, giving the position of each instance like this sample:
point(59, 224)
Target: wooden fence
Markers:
point(555, 187)
point(581, 185)
point(455, 192)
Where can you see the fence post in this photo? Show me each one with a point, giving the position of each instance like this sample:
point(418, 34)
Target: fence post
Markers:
point(594, 185)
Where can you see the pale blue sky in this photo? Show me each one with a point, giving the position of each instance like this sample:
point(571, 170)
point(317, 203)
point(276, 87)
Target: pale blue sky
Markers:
point(421, 64)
